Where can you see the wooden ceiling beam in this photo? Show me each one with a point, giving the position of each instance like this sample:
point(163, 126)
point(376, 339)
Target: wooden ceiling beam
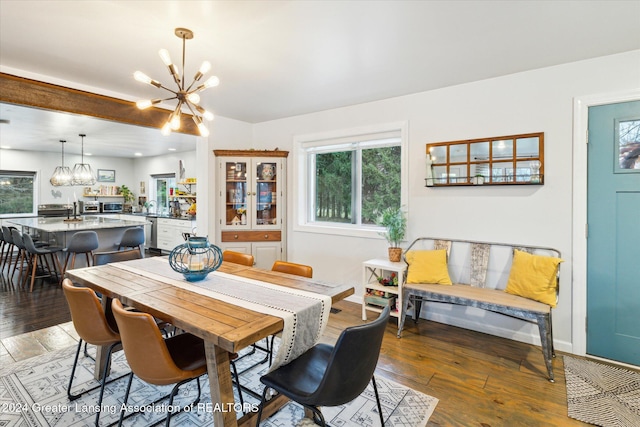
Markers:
point(33, 93)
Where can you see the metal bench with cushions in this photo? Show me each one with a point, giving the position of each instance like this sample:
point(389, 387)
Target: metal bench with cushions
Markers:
point(479, 273)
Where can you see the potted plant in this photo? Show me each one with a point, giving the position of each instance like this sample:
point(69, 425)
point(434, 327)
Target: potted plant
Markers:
point(395, 223)
point(128, 197)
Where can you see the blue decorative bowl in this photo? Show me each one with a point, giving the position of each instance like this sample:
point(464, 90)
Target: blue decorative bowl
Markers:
point(196, 258)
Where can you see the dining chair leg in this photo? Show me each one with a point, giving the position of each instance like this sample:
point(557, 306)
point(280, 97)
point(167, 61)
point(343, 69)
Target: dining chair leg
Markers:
point(15, 264)
point(45, 262)
point(22, 278)
point(5, 248)
point(235, 374)
point(126, 399)
point(375, 390)
point(34, 261)
point(57, 266)
point(64, 268)
point(263, 401)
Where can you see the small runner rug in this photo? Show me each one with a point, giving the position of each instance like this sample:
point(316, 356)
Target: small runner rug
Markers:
point(33, 393)
point(601, 394)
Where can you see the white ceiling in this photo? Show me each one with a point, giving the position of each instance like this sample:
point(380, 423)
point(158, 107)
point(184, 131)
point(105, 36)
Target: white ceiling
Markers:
point(283, 58)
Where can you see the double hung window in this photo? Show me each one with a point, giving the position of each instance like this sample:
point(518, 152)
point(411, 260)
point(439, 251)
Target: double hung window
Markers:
point(346, 180)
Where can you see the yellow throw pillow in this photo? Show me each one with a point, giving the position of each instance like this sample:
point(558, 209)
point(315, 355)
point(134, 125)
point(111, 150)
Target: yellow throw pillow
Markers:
point(428, 267)
point(533, 277)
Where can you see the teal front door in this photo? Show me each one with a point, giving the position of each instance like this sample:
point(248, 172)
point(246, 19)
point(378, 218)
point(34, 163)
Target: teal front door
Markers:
point(613, 243)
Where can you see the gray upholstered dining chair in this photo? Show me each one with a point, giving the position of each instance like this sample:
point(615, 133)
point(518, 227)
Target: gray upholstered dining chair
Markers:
point(102, 258)
point(133, 238)
point(40, 253)
point(82, 242)
point(8, 247)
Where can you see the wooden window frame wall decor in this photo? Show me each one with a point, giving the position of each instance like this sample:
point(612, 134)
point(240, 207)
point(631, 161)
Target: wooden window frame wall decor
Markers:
point(502, 160)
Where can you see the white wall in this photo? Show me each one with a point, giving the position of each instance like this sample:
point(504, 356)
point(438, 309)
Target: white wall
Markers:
point(535, 101)
point(44, 164)
point(129, 172)
point(144, 167)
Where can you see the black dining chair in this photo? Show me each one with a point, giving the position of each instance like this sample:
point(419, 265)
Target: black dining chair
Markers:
point(328, 375)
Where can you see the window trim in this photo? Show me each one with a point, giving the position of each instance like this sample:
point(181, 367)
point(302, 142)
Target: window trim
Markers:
point(302, 186)
point(36, 192)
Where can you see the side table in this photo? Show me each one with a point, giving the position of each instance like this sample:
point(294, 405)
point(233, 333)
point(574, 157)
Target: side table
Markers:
point(376, 295)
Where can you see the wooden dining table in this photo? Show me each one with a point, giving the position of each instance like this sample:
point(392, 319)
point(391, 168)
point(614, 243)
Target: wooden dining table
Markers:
point(225, 327)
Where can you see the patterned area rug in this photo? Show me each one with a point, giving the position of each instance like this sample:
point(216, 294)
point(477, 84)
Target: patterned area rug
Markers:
point(601, 394)
point(33, 393)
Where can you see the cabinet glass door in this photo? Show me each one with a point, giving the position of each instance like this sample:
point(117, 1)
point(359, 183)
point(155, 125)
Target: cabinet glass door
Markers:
point(265, 209)
point(236, 193)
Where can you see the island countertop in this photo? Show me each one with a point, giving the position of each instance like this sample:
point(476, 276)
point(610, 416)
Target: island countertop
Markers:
point(89, 222)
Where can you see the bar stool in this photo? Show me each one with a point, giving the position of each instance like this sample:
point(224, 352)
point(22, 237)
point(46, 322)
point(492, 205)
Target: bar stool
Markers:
point(8, 247)
point(22, 260)
point(41, 253)
point(83, 242)
point(133, 238)
point(2, 245)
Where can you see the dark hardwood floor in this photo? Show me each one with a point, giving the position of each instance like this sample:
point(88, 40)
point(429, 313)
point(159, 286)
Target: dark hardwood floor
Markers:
point(24, 311)
point(480, 380)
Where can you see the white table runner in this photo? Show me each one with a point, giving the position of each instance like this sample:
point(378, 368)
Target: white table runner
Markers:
point(305, 314)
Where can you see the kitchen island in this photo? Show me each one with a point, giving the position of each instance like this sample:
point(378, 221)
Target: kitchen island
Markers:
point(57, 232)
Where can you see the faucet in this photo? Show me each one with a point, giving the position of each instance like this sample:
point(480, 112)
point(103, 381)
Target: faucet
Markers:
point(149, 204)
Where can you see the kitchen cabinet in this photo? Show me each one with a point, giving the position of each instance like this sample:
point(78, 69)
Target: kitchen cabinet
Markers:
point(252, 203)
point(170, 232)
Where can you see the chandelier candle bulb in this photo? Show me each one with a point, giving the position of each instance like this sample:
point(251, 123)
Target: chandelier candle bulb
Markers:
point(166, 58)
point(142, 77)
point(204, 69)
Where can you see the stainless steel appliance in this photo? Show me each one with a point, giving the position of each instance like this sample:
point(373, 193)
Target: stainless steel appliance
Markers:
point(152, 237)
point(54, 210)
point(89, 206)
point(111, 207)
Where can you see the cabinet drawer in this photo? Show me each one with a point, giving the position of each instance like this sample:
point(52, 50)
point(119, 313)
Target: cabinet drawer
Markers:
point(251, 236)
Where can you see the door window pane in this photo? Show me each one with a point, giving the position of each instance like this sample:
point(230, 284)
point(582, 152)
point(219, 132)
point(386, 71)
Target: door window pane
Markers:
point(628, 136)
